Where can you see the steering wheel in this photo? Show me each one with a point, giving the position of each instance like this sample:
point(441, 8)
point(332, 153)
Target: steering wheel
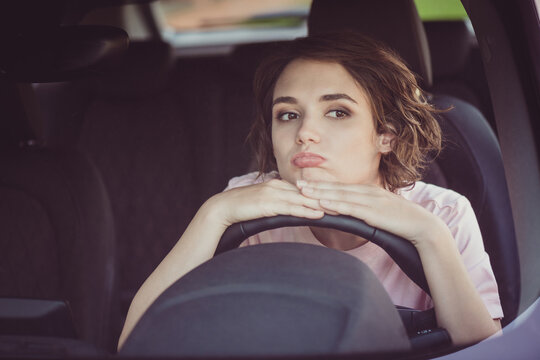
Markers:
point(399, 249)
point(421, 325)
point(297, 295)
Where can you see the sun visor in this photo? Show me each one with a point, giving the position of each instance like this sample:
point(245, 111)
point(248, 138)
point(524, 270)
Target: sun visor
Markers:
point(60, 54)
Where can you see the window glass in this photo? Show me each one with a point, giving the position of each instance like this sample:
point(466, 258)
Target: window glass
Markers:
point(433, 10)
point(211, 24)
point(199, 23)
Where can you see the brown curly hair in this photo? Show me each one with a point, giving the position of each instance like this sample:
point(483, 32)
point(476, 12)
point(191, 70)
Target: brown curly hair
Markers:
point(397, 103)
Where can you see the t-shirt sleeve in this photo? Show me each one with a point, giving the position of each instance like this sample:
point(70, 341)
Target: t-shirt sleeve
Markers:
point(463, 225)
point(250, 179)
point(244, 180)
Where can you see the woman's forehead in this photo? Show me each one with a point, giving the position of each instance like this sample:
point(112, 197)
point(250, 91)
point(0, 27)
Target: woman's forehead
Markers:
point(306, 78)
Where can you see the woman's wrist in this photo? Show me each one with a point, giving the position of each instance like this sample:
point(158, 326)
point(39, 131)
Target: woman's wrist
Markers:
point(214, 211)
point(434, 235)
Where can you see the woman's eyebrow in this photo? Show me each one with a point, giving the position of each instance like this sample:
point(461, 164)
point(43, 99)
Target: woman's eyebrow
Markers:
point(331, 97)
point(285, 99)
point(328, 97)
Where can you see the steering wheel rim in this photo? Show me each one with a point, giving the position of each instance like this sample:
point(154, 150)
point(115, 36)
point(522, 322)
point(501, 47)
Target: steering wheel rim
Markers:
point(400, 250)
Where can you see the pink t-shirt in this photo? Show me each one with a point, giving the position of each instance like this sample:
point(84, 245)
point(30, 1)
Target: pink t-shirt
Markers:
point(453, 208)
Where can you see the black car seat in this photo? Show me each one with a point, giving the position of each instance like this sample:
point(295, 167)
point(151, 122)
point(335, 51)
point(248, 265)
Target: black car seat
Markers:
point(450, 45)
point(137, 130)
point(57, 232)
point(457, 65)
point(156, 128)
point(471, 162)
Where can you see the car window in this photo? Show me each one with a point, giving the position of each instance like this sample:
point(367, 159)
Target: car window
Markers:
point(193, 25)
point(429, 10)
point(221, 23)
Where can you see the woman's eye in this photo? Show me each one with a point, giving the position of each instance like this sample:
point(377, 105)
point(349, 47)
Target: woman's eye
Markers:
point(287, 116)
point(337, 114)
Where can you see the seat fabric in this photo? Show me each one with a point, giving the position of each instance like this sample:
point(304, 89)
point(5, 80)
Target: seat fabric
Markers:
point(57, 232)
point(57, 236)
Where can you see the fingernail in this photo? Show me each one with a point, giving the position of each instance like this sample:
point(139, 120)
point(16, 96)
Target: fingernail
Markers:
point(301, 183)
point(324, 202)
point(307, 190)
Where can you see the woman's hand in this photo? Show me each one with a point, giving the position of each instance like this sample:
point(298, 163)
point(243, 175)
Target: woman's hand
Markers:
point(460, 309)
point(378, 207)
point(274, 197)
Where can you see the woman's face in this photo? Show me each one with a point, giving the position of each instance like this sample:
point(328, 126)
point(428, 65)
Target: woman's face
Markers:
point(322, 126)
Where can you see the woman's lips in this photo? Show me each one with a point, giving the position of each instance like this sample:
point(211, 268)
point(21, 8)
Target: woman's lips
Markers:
point(306, 159)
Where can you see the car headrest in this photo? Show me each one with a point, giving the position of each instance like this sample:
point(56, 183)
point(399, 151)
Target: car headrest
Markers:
point(245, 58)
point(396, 23)
point(451, 43)
point(142, 70)
point(59, 54)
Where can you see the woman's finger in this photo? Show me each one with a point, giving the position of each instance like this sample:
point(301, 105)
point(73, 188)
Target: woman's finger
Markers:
point(302, 211)
point(350, 209)
point(296, 198)
point(321, 185)
point(278, 207)
point(281, 184)
point(341, 194)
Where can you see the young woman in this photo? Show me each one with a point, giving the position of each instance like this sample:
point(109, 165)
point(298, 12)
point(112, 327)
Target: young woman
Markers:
point(343, 128)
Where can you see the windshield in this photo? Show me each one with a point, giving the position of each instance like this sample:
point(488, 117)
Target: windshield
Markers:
point(196, 24)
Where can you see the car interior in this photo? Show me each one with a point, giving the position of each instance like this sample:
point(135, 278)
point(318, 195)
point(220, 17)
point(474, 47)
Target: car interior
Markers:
point(110, 143)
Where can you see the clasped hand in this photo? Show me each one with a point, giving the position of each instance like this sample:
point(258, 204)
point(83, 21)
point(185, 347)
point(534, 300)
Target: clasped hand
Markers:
point(376, 206)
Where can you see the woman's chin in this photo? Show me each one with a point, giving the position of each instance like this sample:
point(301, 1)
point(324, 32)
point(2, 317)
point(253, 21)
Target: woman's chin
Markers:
point(308, 174)
point(316, 174)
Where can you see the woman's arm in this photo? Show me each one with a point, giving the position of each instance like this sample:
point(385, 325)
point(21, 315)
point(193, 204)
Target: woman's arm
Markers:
point(459, 307)
point(188, 253)
point(199, 241)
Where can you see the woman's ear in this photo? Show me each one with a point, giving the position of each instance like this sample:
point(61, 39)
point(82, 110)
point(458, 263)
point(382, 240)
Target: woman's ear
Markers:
point(385, 142)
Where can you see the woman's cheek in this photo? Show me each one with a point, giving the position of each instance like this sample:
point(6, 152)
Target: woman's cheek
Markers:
point(281, 145)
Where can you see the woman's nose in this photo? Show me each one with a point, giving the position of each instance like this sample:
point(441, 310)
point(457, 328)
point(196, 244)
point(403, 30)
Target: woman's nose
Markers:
point(308, 132)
